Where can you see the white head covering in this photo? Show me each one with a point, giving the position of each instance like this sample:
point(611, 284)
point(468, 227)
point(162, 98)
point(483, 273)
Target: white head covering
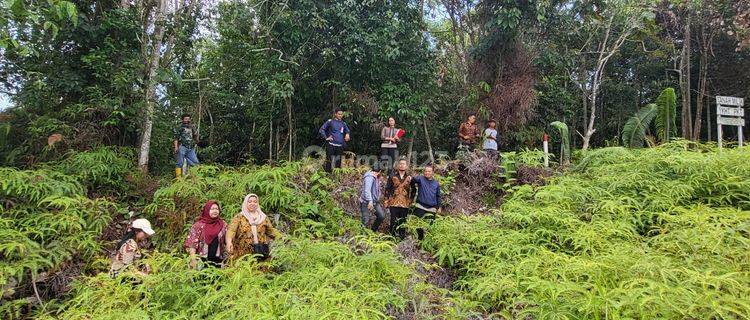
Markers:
point(144, 225)
point(254, 218)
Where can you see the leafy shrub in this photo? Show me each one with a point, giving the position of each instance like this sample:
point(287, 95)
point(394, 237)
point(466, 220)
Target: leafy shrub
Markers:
point(306, 279)
point(45, 221)
point(295, 191)
point(103, 168)
point(649, 233)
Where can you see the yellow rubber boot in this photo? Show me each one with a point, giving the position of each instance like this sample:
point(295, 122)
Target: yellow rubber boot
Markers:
point(178, 172)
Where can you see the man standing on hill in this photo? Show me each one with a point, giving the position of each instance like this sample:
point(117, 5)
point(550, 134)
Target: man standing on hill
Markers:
point(336, 133)
point(428, 196)
point(468, 133)
point(398, 197)
point(185, 140)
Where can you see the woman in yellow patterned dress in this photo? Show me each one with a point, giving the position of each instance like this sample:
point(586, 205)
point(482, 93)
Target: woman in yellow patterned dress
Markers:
point(250, 230)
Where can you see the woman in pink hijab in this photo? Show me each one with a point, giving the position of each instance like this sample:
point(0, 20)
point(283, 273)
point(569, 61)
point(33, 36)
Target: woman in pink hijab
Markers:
point(250, 231)
point(207, 236)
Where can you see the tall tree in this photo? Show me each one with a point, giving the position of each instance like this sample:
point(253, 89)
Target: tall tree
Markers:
point(153, 65)
point(608, 28)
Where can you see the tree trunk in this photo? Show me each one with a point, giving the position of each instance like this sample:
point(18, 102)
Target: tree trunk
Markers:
point(278, 141)
point(706, 43)
point(592, 101)
point(708, 120)
point(153, 63)
point(429, 144)
point(687, 131)
point(270, 139)
point(411, 145)
point(211, 131)
point(289, 125)
point(252, 140)
point(606, 51)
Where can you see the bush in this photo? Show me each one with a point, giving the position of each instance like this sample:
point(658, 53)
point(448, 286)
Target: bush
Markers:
point(103, 169)
point(45, 221)
point(295, 191)
point(306, 279)
point(654, 233)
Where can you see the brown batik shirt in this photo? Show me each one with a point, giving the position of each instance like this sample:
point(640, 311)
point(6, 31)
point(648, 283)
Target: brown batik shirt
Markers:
point(398, 191)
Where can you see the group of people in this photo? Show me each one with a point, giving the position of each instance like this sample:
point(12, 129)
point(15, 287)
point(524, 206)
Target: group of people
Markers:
point(336, 134)
point(398, 197)
point(400, 185)
point(211, 240)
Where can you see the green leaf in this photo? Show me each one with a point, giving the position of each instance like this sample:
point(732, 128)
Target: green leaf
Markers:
point(634, 131)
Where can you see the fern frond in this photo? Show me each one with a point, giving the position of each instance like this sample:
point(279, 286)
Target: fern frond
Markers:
point(634, 131)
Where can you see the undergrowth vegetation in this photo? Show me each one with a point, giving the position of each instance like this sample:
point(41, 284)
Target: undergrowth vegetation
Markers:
point(325, 266)
point(296, 192)
point(660, 233)
point(307, 279)
point(47, 220)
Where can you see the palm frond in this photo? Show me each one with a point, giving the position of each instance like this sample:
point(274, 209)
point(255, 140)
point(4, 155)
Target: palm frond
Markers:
point(634, 131)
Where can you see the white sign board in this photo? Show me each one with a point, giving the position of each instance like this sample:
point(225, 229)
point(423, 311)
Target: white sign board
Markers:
point(730, 111)
point(730, 101)
point(729, 116)
point(740, 122)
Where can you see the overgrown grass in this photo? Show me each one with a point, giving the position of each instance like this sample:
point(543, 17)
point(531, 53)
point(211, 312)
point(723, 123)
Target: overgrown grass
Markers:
point(661, 233)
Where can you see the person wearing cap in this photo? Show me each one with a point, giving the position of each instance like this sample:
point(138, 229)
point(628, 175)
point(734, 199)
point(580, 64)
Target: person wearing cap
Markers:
point(207, 237)
point(128, 249)
point(369, 199)
point(490, 139)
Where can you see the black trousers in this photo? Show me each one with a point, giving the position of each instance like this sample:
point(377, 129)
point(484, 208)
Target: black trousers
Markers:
point(333, 157)
point(398, 216)
point(388, 157)
point(426, 215)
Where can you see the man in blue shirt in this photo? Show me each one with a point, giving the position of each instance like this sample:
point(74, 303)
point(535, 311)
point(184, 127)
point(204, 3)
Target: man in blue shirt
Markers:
point(336, 133)
point(428, 196)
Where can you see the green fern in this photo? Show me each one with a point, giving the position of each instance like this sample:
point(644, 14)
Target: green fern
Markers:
point(634, 131)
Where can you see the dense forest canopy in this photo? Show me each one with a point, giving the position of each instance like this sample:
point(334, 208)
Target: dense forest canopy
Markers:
point(260, 76)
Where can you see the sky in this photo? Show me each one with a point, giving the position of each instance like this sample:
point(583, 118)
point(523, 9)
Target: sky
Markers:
point(4, 101)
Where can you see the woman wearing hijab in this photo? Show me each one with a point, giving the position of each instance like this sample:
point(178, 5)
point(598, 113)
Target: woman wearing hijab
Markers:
point(206, 238)
point(250, 231)
point(128, 249)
